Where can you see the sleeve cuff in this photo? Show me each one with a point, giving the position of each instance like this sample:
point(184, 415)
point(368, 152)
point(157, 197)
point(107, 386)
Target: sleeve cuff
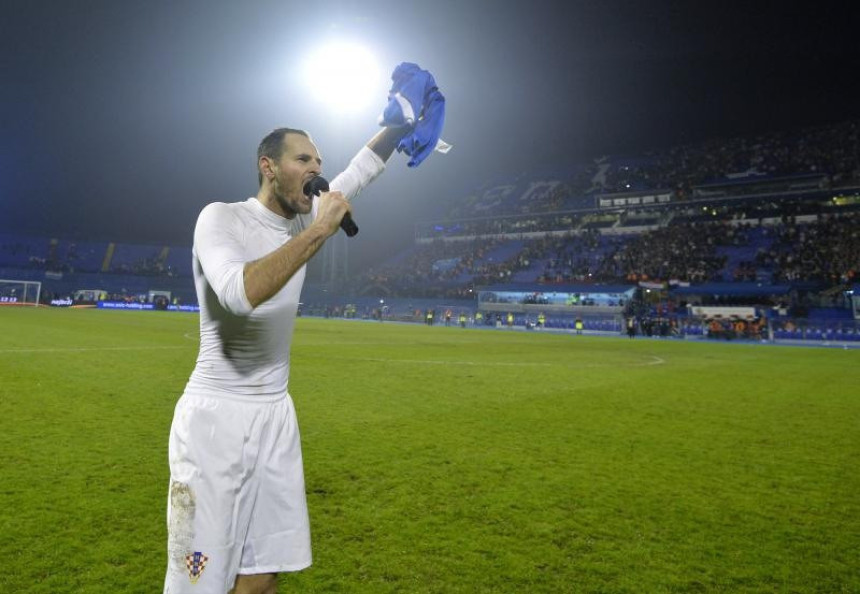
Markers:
point(364, 167)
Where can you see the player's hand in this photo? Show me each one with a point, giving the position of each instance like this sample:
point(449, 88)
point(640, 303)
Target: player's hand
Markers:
point(331, 210)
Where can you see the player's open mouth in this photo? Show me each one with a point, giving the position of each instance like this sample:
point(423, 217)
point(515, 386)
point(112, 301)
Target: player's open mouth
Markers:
point(306, 189)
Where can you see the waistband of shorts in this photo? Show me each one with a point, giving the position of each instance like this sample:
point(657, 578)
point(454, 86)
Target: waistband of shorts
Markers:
point(207, 392)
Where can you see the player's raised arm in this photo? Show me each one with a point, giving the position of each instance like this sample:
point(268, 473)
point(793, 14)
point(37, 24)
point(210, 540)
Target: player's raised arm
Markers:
point(412, 121)
point(283, 176)
point(385, 141)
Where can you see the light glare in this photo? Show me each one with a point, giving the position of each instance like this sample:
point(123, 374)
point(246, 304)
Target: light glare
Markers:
point(344, 76)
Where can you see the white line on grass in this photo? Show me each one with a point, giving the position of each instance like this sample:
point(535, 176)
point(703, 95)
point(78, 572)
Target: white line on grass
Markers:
point(436, 362)
point(88, 349)
point(654, 360)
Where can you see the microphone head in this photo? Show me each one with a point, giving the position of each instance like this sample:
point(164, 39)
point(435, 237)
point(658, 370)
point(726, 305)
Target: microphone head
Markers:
point(315, 186)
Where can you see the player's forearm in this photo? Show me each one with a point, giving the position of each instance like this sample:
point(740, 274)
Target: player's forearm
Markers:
point(385, 141)
point(268, 275)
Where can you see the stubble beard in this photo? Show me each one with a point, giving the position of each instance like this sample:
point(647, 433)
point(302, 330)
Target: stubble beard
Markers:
point(289, 207)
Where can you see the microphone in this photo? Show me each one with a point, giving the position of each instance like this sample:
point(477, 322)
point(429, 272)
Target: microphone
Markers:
point(320, 184)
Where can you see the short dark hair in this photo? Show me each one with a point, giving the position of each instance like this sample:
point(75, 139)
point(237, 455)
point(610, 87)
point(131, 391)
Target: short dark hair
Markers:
point(273, 145)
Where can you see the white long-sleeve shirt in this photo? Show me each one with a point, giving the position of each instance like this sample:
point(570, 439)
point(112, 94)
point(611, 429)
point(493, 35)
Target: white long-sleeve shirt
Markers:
point(245, 351)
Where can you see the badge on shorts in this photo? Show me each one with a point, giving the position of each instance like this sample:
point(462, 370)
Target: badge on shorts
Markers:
point(196, 563)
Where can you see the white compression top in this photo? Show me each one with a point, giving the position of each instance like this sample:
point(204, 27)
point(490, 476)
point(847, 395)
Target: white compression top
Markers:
point(245, 351)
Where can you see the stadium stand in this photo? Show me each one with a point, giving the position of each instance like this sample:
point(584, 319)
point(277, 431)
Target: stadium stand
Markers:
point(122, 271)
point(777, 213)
point(770, 221)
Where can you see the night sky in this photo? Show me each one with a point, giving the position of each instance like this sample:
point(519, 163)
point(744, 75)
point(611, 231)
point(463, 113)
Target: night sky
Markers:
point(120, 120)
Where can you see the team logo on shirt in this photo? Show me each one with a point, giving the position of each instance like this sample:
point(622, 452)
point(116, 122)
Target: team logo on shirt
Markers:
point(196, 563)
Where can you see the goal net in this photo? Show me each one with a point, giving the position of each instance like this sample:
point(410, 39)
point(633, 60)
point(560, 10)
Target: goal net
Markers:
point(19, 292)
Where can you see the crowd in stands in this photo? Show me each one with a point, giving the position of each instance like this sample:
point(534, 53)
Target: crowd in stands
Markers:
point(826, 250)
point(676, 252)
point(59, 256)
point(565, 257)
point(432, 267)
point(451, 269)
point(682, 240)
point(829, 151)
point(153, 266)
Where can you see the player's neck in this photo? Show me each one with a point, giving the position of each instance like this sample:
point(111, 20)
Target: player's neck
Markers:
point(267, 197)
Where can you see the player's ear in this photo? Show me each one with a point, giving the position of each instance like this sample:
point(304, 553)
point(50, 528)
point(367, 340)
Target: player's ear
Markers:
point(267, 167)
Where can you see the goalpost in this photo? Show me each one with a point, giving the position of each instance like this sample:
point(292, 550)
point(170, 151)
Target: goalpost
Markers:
point(20, 292)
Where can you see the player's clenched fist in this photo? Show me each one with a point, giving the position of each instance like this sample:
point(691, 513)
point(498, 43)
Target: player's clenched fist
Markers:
point(332, 208)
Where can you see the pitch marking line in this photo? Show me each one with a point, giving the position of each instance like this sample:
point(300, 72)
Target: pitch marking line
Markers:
point(654, 360)
point(90, 349)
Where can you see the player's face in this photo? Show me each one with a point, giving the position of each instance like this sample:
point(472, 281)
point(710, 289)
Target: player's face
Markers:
point(300, 161)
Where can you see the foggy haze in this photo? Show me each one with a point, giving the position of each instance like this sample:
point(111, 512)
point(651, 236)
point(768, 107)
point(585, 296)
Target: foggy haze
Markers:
point(121, 120)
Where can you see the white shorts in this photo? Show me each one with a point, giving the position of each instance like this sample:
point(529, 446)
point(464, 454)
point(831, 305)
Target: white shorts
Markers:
point(236, 503)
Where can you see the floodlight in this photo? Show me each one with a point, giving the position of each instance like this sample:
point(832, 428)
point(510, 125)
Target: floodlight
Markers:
point(344, 76)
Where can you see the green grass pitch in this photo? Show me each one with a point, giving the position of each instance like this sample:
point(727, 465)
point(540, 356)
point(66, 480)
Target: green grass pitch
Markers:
point(450, 460)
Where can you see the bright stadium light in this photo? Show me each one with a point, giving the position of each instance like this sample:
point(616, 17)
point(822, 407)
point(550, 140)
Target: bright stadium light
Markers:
point(343, 76)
